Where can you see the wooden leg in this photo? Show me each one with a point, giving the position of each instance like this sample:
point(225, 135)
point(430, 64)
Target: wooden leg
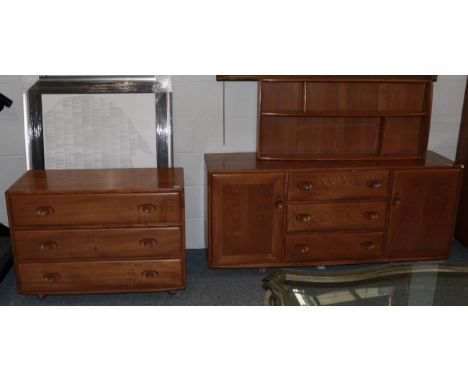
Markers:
point(41, 296)
point(172, 292)
point(262, 270)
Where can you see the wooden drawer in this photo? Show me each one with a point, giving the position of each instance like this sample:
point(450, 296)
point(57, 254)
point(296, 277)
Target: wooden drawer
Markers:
point(98, 243)
point(333, 246)
point(95, 209)
point(336, 185)
point(336, 216)
point(97, 276)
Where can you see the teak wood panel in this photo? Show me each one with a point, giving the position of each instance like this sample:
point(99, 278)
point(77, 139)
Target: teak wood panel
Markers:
point(333, 246)
point(246, 218)
point(281, 96)
point(349, 119)
point(336, 216)
point(338, 185)
point(41, 245)
point(402, 135)
point(98, 209)
point(72, 277)
point(422, 214)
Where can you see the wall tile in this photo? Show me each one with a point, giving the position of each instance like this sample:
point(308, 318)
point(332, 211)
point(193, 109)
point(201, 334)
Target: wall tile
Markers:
point(195, 233)
point(451, 78)
point(194, 168)
point(11, 168)
point(193, 78)
point(198, 135)
point(3, 210)
point(195, 202)
point(241, 134)
point(241, 99)
point(444, 135)
point(12, 134)
point(197, 99)
point(448, 98)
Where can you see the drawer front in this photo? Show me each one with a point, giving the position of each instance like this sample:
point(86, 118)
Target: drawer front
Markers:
point(96, 209)
point(338, 185)
point(98, 243)
point(333, 246)
point(336, 216)
point(62, 277)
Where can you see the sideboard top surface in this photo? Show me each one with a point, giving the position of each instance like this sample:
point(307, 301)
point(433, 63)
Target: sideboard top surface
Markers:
point(100, 180)
point(379, 78)
point(249, 161)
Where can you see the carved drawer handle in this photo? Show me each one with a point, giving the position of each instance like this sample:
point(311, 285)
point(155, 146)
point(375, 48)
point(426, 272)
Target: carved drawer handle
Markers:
point(369, 245)
point(372, 215)
point(150, 274)
point(374, 183)
point(302, 248)
point(52, 277)
point(148, 242)
point(48, 245)
point(396, 200)
point(305, 185)
point(147, 208)
point(44, 211)
point(304, 218)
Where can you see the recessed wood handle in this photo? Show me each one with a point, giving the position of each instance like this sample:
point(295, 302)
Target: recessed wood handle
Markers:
point(150, 274)
point(302, 248)
point(369, 245)
point(374, 183)
point(147, 208)
point(305, 185)
point(372, 215)
point(304, 218)
point(52, 277)
point(148, 242)
point(44, 211)
point(279, 204)
point(48, 245)
point(396, 200)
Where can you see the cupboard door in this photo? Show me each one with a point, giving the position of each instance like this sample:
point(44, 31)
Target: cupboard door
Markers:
point(422, 214)
point(246, 219)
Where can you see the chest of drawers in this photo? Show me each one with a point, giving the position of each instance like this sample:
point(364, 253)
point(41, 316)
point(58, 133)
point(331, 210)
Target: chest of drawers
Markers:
point(275, 213)
point(96, 231)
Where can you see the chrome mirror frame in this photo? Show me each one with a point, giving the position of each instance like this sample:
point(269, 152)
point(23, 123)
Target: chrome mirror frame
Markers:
point(161, 86)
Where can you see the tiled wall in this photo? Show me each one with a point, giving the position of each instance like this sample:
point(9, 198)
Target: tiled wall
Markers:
point(198, 121)
point(12, 148)
point(449, 92)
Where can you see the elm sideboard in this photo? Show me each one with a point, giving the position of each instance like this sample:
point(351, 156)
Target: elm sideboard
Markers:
point(341, 175)
point(264, 213)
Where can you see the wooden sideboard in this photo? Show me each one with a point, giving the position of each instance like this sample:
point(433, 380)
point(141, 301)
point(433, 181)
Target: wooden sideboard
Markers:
point(284, 213)
point(96, 231)
point(341, 175)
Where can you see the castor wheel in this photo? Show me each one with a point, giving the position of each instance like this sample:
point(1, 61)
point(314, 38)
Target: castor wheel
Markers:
point(41, 296)
point(172, 292)
point(262, 271)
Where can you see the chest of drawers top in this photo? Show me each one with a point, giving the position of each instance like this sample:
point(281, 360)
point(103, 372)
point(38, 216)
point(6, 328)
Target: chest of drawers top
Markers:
point(135, 180)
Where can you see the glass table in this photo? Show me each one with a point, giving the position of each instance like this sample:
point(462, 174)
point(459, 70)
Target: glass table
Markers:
point(394, 284)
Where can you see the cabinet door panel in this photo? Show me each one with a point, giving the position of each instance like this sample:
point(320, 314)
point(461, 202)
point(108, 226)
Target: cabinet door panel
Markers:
point(422, 215)
point(247, 218)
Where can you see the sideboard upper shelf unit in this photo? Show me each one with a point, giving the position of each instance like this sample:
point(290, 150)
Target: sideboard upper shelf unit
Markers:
point(345, 117)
